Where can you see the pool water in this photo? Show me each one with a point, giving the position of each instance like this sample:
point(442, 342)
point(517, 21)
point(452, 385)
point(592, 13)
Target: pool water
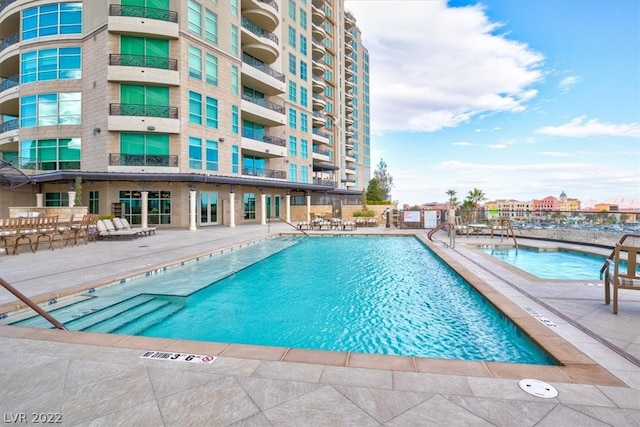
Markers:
point(556, 264)
point(376, 295)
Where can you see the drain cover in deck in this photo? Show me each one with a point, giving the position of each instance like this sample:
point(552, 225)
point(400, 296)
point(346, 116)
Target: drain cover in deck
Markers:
point(538, 388)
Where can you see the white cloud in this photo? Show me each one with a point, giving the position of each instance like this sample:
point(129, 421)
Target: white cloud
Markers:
point(463, 143)
point(434, 66)
point(580, 128)
point(554, 153)
point(567, 83)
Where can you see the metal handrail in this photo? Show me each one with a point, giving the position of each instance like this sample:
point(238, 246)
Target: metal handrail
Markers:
point(31, 304)
point(613, 252)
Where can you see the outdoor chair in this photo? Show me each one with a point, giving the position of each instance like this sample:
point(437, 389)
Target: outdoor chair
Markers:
point(622, 273)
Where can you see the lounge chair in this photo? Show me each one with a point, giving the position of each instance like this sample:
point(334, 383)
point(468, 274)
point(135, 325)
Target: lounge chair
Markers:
point(349, 224)
point(107, 229)
point(144, 230)
point(622, 273)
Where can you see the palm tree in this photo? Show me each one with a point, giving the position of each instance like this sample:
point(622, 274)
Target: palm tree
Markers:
point(474, 197)
point(453, 200)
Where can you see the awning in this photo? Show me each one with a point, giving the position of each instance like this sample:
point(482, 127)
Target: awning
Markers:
point(12, 177)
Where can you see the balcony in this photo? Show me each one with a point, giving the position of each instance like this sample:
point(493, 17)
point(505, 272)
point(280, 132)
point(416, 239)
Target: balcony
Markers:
point(349, 20)
point(348, 48)
point(9, 94)
point(5, 3)
point(349, 171)
point(263, 145)
point(318, 68)
point(318, 101)
point(321, 154)
point(262, 111)
point(120, 162)
point(259, 43)
point(263, 12)
point(348, 72)
point(143, 69)
point(143, 118)
point(321, 138)
point(143, 21)
point(348, 61)
point(325, 182)
point(9, 131)
point(264, 173)
point(317, 15)
point(318, 84)
point(348, 83)
point(7, 42)
point(259, 76)
point(318, 119)
point(317, 50)
point(348, 37)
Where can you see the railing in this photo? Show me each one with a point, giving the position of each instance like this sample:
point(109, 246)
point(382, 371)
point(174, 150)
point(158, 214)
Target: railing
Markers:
point(9, 82)
point(325, 152)
point(258, 31)
point(322, 134)
point(259, 65)
point(9, 40)
point(31, 304)
point(121, 159)
point(143, 12)
point(265, 173)
point(9, 125)
point(264, 103)
point(271, 3)
point(143, 110)
point(265, 138)
point(143, 61)
point(5, 3)
point(325, 182)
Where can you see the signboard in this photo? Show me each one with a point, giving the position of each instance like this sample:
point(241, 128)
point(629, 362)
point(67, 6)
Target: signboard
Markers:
point(411, 216)
point(430, 219)
point(178, 357)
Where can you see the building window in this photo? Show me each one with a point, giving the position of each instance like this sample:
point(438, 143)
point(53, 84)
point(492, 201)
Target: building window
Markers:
point(51, 64)
point(304, 174)
point(210, 26)
point(293, 172)
point(292, 64)
point(158, 206)
point(303, 18)
point(235, 80)
point(304, 122)
point(144, 149)
point(234, 7)
point(293, 118)
point(195, 153)
point(304, 98)
point(51, 20)
point(94, 202)
point(293, 146)
point(212, 112)
point(194, 16)
point(195, 108)
point(303, 70)
point(293, 88)
point(135, 99)
point(195, 62)
point(211, 155)
point(211, 69)
point(57, 199)
point(292, 10)
point(50, 154)
point(235, 159)
point(304, 149)
point(50, 109)
point(249, 205)
point(234, 39)
point(235, 119)
point(292, 37)
point(303, 45)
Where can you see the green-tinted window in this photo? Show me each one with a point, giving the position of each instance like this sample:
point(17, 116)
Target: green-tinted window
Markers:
point(249, 205)
point(304, 149)
point(234, 39)
point(235, 80)
point(194, 17)
point(195, 108)
point(211, 69)
point(211, 26)
point(235, 159)
point(211, 155)
point(144, 95)
point(235, 119)
point(293, 146)
point(50, 154)
point(195, 62)
point(212, 112)
point(195, 153)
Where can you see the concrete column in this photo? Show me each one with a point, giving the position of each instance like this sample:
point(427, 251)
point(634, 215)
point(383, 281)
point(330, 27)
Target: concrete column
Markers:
point(308, 207)
point(40, 200)
point(287, 208)
point(145, 208)
point(232, 209)
point(263, 204)
point(72, 198)
point(192, 210)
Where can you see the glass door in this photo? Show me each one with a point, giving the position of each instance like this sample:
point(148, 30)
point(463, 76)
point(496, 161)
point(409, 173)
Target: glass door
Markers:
point(208, 208)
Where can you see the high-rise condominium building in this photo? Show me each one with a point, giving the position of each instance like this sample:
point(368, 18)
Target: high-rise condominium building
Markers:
point(184, 112)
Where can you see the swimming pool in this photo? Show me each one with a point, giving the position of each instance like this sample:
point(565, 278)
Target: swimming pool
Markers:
point(379, 295)
point(550, 264)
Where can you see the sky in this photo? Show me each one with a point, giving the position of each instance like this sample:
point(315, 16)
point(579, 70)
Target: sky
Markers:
point(521, 99)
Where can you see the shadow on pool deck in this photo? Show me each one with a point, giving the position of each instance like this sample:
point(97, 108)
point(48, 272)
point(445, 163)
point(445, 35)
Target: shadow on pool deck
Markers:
point(91, 377)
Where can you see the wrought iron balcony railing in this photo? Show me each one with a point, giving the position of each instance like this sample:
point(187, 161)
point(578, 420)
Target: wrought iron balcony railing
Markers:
point(325, 182)
point(143, 61)
point(264, 103)
point(259, 31)
point(5, 3)
point(143, 110)
point(265, 138)
point(143, 12)
point(11, 39)
point(255, 63)
point(271, 3)
point(9, 125)
point(264, 173)
point(120, 159)
point(9, 82)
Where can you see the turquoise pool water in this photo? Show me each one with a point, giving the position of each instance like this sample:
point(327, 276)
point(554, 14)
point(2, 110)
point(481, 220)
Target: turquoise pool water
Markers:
point(377, 295)
point(557, 264)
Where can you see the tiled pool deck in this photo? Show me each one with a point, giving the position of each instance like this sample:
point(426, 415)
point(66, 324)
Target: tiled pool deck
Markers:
point(94, 379)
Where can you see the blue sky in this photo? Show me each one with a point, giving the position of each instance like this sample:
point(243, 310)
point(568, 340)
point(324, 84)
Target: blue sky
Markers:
point(519, 98)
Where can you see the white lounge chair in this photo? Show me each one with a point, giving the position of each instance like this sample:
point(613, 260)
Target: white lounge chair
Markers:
point(144, 230)
point(107, 229)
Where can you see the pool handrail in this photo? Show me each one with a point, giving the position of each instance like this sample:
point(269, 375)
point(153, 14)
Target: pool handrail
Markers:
point(613, 252)
point(438, 227)
point(31, 304)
